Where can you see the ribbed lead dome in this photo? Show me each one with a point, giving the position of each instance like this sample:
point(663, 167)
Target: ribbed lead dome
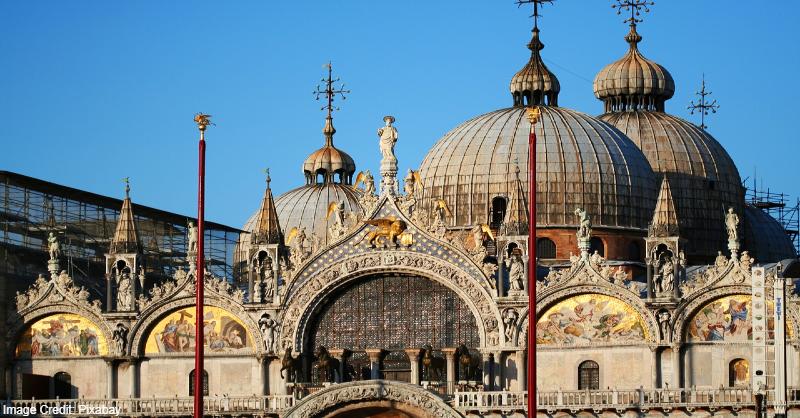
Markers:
point(581, 162)
point(704, 179)
point(634, 82)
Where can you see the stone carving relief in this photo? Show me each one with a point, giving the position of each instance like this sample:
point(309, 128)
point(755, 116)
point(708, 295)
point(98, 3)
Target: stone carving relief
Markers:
point(510, 319)
point(338, 396)
point(120, 338)
point(59, 289)
point(269, 331)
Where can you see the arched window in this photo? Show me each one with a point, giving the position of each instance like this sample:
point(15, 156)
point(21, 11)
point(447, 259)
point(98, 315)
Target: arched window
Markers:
point(739, 373)
point(634, 251)
point(205, 383)
point(498, 211)
point(62, 385)
point(392, 312)
point(588, 375)
point(596, 244)
point(545, 248)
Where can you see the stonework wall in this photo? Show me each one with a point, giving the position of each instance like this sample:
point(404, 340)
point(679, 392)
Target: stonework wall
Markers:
point(88, 376)
point(707, 366)
point(620, 367)
point(165, 377)
point(616, 243)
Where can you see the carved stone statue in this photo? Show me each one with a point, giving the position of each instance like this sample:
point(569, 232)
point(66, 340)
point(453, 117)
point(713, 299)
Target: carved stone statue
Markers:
point(584, 224)
point(516, 271)
point(663, 324)
point(388, 138)
point(192, 236)
point(732, 225)
point(124, 292)
point(269, 329)
point(409, 182)
point(53, 247)
point(22, 300)
point(120, 337)
point(299, 252)
point(268, 279)
point(667, 276)
point(369, 183)
point(510, 318)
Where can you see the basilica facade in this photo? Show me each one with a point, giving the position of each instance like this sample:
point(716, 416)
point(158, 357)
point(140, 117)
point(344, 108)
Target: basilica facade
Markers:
point(659, 289)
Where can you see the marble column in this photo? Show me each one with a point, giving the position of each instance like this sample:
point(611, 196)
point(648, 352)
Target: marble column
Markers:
point(338, 354)
point(413, 359)
point(110, 381)
point(488, 369)
point(263, 364)
point(676, 368)
point(522, 370)
point(109, 290)
point(375, 355)
point(133, 367)
point(654, 369)
point(450, 356)
point(501, 273)
point(497, 370)
point(648, 262)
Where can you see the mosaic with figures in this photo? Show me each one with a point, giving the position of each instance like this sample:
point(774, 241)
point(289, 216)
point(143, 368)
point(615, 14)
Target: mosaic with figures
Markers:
point(175, 333)
point(62, 335)
point(590, 318)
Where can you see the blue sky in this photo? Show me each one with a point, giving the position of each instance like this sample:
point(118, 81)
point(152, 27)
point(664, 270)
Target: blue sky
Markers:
point(94, 91)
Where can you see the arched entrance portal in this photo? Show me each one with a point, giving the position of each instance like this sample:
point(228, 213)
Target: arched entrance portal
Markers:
point(374, 398)
point(390, 313)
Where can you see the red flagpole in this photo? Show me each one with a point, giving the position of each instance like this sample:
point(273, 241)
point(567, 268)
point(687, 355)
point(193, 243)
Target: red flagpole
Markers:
point(533, 116)
point(199, 338)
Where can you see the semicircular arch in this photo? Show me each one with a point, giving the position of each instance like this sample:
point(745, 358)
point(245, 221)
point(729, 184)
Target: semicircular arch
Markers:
point(311, 294)
point(401, 396)
point(79, 324)
point(231, 319)
point(685, 312)
point(617, 315)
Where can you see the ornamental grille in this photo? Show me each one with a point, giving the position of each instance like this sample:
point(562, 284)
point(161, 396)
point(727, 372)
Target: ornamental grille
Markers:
point(393, 312)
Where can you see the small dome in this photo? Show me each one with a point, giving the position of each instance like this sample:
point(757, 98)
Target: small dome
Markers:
point(581, 162)
point(325, 163)
point(765, 238)
point(535, 84)
point(634, 82)
point(307, 206)
point(703, 177)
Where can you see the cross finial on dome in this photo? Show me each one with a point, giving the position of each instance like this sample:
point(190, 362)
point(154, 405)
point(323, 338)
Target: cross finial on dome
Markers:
point(330, 92)
point(703, 106)
point(635, 7)
point(536, 4)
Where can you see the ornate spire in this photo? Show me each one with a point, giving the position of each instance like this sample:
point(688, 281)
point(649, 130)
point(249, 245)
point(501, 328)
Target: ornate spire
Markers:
point(633, 82)
point(665, 218)
point(329, 160)
point(516, 222)
point(126, 239)
point(535, 84)
point(703, 106)
point(267, 230)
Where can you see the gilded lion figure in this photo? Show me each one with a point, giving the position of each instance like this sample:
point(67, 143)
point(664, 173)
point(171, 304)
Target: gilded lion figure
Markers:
point(387, 230)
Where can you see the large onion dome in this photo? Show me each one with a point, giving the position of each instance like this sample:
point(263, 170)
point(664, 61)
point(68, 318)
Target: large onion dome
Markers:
point(582, 162)
point(764, 237)
point(634, 82)
point(704, 178)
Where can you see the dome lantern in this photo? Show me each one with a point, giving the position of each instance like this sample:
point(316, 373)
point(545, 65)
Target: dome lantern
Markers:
point(535, 84)
point(325, 164)
point(633, 82)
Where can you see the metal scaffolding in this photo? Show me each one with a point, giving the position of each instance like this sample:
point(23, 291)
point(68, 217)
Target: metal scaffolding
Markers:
point(780, 207)
point(84, 223)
